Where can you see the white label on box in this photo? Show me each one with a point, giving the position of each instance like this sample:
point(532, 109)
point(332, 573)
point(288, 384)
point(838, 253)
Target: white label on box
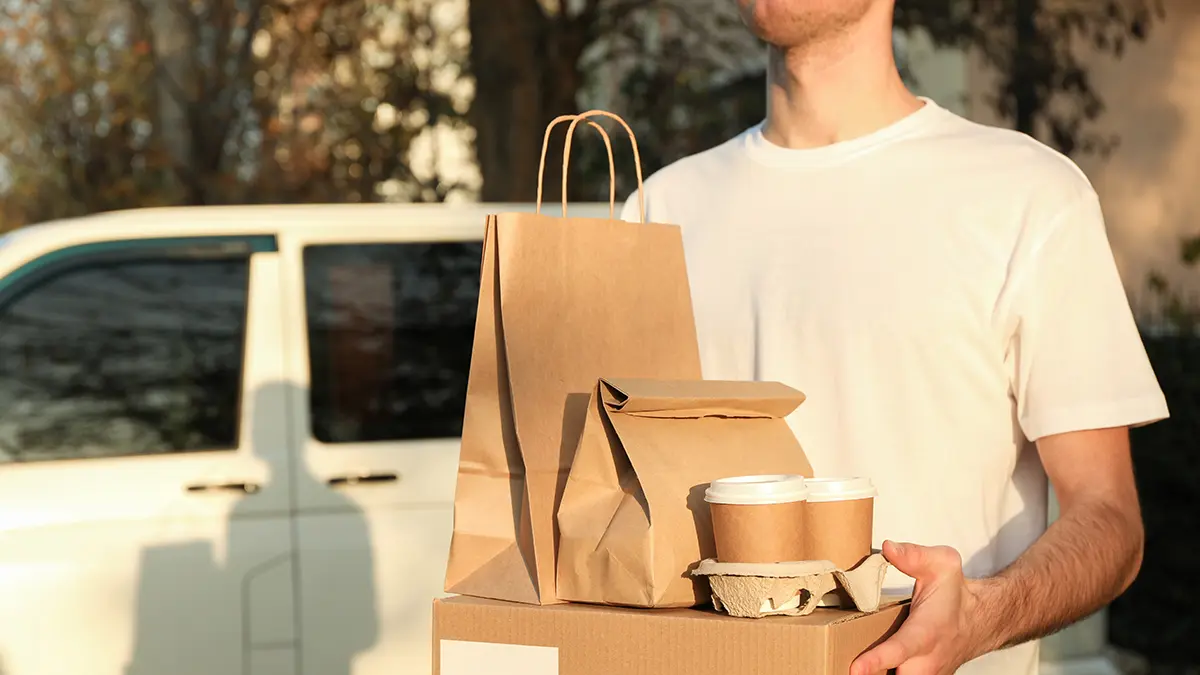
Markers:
point(473, 658)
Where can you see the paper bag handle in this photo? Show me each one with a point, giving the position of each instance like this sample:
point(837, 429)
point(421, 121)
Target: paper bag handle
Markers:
point(612, 167)
point(637, 157)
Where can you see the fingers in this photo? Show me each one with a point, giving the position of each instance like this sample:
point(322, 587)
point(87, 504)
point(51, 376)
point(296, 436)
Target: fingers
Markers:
point(925, 643)
point(923, 562)
point(881, 659)
point(892, 653)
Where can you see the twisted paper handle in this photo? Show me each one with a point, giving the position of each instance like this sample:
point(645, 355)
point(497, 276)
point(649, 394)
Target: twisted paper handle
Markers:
point(612, 173)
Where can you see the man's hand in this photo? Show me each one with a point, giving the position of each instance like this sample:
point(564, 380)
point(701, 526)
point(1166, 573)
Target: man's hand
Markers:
point(1084, 560)
point(938, 635)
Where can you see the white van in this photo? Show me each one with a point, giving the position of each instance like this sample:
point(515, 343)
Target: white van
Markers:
point(229, 435)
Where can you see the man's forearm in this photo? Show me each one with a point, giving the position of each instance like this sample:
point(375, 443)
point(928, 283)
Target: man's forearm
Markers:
point(1085, 559)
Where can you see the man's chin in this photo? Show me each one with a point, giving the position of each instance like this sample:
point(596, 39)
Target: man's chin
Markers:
point(787, 24)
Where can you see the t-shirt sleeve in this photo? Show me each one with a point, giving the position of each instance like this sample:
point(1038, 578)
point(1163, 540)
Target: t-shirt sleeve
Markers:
point(1077, 360)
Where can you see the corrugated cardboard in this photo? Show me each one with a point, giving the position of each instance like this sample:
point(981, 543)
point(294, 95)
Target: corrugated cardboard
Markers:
point(562, 302)
point(633, 521)
point(473, 636)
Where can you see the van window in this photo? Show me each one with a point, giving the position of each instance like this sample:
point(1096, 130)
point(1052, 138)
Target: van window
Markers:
point(390, 328)
point(129, 357)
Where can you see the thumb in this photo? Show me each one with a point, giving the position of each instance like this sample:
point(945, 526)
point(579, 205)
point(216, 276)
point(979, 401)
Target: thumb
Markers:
point(922, 562)
point(910, 559)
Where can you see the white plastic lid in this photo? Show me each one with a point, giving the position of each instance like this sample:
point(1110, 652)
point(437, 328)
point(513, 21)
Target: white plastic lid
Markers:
point(774, 489)
point(839, 489)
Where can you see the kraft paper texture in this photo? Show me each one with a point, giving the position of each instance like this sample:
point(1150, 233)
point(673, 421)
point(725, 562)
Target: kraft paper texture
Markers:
point(563, 301)
point(633, 519)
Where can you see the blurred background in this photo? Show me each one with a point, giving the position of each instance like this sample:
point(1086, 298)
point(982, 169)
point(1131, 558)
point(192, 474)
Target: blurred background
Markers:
point(112, 104)
point(118, 104)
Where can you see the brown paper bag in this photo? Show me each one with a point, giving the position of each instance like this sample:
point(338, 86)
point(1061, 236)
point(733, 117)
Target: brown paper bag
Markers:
point(633, 518)
point(562, 302)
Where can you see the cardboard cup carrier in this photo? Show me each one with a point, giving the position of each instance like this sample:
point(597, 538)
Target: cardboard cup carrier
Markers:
point(758, 519)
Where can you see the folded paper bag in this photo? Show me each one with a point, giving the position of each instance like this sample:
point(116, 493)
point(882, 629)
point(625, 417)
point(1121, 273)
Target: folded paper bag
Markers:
point(633, 522)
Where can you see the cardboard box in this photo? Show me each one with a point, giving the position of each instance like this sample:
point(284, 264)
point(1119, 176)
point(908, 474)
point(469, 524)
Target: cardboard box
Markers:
point(474, 636)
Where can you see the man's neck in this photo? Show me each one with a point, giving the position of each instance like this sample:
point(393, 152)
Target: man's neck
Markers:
point(836, 89)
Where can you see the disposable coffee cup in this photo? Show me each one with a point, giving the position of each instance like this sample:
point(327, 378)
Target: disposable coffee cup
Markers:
point(758, 519)
point(840, 514)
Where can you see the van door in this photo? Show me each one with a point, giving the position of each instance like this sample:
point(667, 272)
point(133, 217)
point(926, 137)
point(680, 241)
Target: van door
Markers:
point(380, 349)
point(144, 466)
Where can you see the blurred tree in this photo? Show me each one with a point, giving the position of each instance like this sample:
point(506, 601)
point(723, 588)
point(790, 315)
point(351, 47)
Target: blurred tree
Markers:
point(126, 103)
point(533, 60)
point(1176, 311)
point(692, 84)
point(1034, 46)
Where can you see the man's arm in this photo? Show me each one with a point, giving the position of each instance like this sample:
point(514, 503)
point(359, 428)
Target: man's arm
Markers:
point(1087, 557)
point(1084, 560)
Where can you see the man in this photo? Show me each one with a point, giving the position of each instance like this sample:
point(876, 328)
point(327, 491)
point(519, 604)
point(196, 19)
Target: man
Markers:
point(945, 295)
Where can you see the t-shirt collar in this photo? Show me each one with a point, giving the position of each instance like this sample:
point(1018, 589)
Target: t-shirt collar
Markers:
point(766, 152)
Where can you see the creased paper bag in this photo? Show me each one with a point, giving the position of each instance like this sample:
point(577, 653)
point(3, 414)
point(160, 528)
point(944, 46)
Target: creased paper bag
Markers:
point(633, 519)
point(562, 302)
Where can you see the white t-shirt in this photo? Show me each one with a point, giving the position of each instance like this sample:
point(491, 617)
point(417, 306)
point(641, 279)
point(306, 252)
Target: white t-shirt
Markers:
point(943, 292)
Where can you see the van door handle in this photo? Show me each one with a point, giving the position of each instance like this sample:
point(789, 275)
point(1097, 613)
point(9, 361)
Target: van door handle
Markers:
point(362, 478)
point(247, 488)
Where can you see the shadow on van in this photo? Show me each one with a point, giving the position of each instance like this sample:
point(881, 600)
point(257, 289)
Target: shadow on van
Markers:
point(232, 607)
